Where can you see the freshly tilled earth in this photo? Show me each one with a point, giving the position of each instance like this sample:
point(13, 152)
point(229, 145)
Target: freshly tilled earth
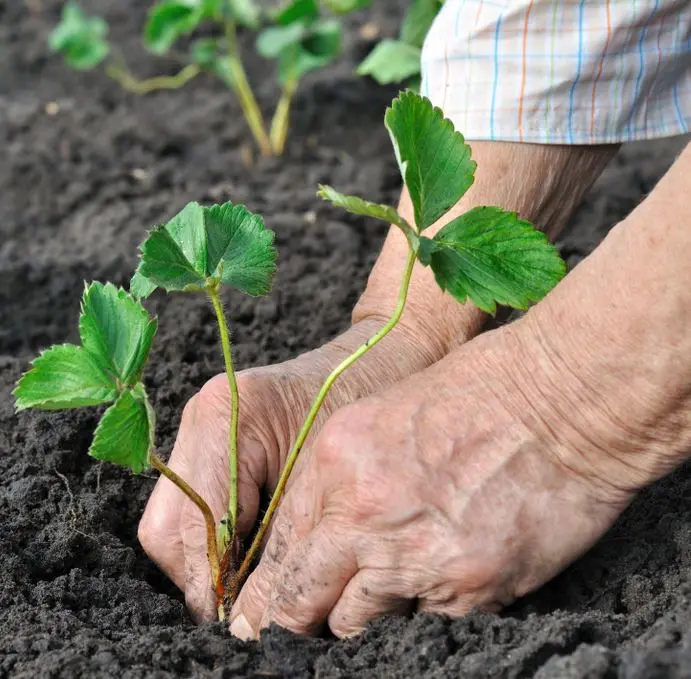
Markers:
point(85, 170)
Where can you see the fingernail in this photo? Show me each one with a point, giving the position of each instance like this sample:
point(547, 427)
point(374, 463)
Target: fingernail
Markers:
point(241, 629)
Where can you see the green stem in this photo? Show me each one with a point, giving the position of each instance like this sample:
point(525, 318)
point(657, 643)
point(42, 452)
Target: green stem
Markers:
point(281, 120)
point(312, 415)
point(241, 85)
point(211, 544)
point(128, 82)
point(234, 409)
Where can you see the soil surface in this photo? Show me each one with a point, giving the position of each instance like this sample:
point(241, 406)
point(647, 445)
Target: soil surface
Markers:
point(85, 169)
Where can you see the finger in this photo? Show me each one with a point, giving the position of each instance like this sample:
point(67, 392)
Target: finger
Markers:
point(251, 478)
point(296, 516)
point(311, 580)
point(459, 606)
point(248, 609)
point(199, 591)
point(371, 594)
point(159, 528)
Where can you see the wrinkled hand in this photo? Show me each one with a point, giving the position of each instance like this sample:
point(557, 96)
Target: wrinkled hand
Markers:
point(469, 484)
point(273, 403)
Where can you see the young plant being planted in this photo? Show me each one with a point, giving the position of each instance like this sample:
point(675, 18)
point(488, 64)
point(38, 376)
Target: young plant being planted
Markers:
point(116, 334)
point(488, 255)
point(300, 41)
point(199, 250)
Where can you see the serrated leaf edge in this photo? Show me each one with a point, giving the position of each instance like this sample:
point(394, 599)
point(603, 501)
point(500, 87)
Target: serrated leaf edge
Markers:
point(32, 364)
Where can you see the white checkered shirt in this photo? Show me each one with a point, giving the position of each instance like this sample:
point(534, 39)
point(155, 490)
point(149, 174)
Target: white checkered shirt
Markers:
point(561, 71)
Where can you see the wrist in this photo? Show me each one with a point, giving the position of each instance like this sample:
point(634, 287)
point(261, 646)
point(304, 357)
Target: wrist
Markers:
point(400, 354)
point(542, 183)
point(612, 366)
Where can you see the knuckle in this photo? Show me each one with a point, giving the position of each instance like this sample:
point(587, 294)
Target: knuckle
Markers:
point(145, 533)
point(344, 435)
point(149, 531)
point(468, 585)
point(214, 395)
point(291, 616)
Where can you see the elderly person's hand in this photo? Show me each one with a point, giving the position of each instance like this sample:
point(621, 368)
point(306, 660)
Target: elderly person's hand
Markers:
point(275, 399)
point(477, 480)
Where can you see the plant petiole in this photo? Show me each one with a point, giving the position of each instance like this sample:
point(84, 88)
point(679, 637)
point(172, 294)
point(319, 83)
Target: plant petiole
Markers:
point(280, 122)
point(311, 417)
point(240, 84)
point(211, 544)
point(121, 75)
point(234, 410)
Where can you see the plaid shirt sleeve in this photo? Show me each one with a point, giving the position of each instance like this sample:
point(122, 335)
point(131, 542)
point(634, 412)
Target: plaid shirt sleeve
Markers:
point(561, 71)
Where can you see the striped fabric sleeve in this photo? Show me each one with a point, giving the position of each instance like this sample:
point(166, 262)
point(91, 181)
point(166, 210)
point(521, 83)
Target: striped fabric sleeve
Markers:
point(561, 71)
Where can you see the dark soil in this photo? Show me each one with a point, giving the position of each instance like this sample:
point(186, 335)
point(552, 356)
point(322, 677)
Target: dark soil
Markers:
point(78, 597)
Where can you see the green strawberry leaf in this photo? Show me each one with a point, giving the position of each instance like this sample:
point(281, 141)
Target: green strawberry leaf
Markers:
point(358, 206)
point(273, 40)
point(434, 159)
point(174, 255)
point(187, 230)
point(201, 246)
point(324, 40)
point(124, 435)
point(205, 51)
point(140, 286)
point(245, 12)
point(418, 20)
point(493, 257)
point(240, 248)
point(117, 331)
point(318, 47)
point(64, 376)
point(81, 39)
point(116, 334)
point(168, 21)
point(164, 263)
point(391, 61)
point(304, 11)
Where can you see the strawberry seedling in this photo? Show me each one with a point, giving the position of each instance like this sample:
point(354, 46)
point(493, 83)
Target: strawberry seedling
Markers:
point(300, 40)
point(487, 255)
point(398, 61)
point(198, 250)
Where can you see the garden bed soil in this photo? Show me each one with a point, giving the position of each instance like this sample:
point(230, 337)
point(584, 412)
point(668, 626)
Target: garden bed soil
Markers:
point(85, 169)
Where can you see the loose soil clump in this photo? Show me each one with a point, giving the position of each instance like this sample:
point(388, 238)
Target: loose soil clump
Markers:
point(85, 169)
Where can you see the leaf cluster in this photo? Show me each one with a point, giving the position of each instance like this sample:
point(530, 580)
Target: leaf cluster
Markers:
point(398, 61)
point(298, 37)
point(116, 334)
point(169, 20)
point(201, 248)
point(81, 39)
point(487, 255)
point(300, 40)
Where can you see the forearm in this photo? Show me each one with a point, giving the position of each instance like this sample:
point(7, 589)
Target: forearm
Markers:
point(619, 328)
point(542, 183)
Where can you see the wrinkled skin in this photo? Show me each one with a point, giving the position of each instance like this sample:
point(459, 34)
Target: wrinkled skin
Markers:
point(444, 483)
point(473, 509)
point(273, 403)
